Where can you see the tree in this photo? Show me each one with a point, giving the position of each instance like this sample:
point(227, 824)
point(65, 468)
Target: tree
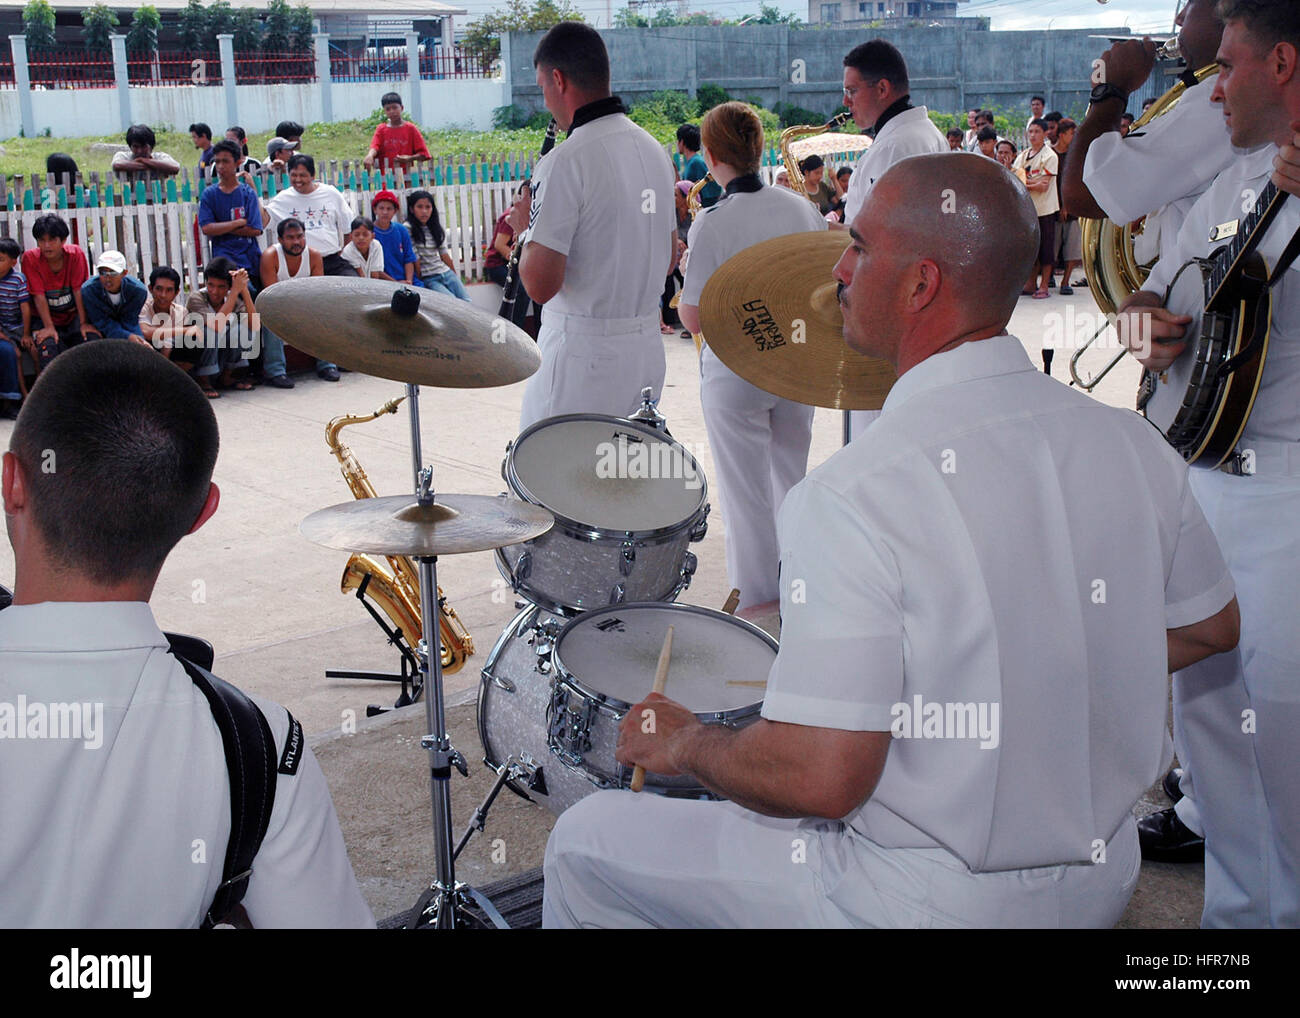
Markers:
point(483, 36)
point(769, 14)
point(278, 33)
point(302, 28)
point(221, 19)
point(98, 22)
point(628, 18)
point(142, 36)
point(38, 25)
point(192, 28)
point(247, 30)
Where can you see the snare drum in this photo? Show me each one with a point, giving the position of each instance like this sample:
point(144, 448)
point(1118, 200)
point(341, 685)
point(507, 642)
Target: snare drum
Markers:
point(604, 662)
point(627, 501)
point(563, 713)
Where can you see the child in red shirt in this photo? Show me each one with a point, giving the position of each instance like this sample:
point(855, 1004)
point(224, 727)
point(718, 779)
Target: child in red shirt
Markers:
point(397, 143)
point(55, 271)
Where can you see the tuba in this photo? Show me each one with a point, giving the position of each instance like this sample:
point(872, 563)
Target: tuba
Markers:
point(803, 131)
point(1113, 271)
point(395, 588)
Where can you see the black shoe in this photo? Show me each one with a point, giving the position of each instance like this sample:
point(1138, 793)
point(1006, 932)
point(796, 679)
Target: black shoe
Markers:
point(1165, 838)
point(328, 374)
point(1170, 783)
point(1067, 291)
point(280, 382)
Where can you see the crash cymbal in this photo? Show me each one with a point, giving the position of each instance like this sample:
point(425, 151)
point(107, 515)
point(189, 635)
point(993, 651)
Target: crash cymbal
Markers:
point(771, 314)
point(429, 339)
point(399, 525)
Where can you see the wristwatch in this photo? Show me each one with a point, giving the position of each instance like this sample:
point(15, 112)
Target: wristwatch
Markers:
point(1104, 91)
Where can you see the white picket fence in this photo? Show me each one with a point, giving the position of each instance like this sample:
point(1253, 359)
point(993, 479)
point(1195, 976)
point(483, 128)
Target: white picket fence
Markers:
point(168, 233)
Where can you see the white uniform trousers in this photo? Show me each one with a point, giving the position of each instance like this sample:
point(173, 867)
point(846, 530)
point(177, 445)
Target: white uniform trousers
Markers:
point(593, 366)
point(620, 859)
point(760, 451)
point(1240, 712)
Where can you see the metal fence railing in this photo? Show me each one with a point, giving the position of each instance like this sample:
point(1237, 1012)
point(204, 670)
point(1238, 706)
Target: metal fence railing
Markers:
point(69, 67)
point(453, 62)
point(173, 67)
point(6, 73)
point(274, 68)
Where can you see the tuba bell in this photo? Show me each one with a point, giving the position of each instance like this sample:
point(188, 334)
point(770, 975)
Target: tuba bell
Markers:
point(394, 587)
point(1113, 271)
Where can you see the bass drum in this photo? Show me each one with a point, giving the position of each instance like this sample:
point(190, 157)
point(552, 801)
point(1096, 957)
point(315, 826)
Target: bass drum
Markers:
point(556, 691)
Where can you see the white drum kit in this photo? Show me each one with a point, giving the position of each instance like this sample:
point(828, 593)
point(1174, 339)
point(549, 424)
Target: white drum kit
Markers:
point(593, 535)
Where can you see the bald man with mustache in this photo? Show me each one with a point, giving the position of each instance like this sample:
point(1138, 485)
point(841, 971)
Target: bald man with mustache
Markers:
point(936, 691)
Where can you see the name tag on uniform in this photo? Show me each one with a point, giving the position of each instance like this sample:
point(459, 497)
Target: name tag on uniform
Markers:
point(1225, 230)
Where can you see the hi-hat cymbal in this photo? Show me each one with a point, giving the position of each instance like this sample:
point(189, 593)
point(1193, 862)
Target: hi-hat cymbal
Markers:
point(440, 341)
point(399, 525)
point(772, 315)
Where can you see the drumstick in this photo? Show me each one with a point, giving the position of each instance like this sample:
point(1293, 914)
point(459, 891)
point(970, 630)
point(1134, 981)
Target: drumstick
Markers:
point(733, 599)
point(754, 683)
point(661, 677)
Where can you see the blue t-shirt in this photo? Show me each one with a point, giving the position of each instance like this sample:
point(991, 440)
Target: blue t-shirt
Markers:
point(399, 252)
point(697, 169)
point(218, 207)
point(13, 295)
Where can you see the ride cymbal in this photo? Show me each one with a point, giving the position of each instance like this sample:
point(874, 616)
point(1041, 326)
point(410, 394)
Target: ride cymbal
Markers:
point(399, 525)
point(426, 338)
point(772, 315)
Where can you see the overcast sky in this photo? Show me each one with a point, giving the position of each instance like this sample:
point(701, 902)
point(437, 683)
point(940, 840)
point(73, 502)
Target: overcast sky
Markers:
point(1155, 16)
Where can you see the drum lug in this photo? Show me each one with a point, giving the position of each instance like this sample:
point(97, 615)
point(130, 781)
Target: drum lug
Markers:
point(544, 643)
point(569, 731)
point(689, 565)
point(523, 566)
point(618, 595)
point(628, 559)
point(700, 529)
point(500, 681)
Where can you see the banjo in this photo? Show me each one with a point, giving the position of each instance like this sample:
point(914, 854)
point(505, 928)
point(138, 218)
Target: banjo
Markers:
point(1203, 400)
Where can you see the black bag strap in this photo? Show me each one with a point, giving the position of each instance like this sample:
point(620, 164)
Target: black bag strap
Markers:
point(251, 763)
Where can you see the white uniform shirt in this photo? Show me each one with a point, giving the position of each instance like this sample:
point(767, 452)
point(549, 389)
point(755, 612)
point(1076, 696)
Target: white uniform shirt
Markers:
point(910, 133)
point(966, 549)
point(107, 832)
point(604, 199)
point(325, 215)
point(1160, 169)
point(1276, 416)
point(738, 221)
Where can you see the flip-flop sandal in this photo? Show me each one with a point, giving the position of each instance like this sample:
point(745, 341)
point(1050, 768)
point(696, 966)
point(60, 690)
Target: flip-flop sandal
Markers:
point(210, 392)
point(239, 385)
point(1041, 295)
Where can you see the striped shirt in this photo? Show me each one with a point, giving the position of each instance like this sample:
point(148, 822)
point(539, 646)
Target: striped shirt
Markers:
point(13, 295)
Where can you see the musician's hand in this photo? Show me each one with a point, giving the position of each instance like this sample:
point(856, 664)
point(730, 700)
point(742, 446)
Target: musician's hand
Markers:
point(1286, 164)
point(1129, 63)
point(1152, 334)
point(646, 734)
point(518, 218)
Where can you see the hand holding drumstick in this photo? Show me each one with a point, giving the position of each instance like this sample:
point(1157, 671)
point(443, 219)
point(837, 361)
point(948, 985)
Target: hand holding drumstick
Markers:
point(646, 735)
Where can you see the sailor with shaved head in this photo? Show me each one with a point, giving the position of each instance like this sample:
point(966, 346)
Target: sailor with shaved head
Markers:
point(935, 694)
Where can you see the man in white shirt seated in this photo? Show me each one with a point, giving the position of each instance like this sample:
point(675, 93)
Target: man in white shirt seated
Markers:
point(937, 696)
point(119, 815)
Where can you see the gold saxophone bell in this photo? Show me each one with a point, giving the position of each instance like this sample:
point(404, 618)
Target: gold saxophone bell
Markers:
point(693, 197)
point(1113, 271)
point(395, 588)
point(803, 131)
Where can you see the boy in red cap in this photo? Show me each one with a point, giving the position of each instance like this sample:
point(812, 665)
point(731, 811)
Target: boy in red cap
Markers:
point(400, 258)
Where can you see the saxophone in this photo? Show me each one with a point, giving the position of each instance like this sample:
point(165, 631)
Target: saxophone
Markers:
point(395, 588)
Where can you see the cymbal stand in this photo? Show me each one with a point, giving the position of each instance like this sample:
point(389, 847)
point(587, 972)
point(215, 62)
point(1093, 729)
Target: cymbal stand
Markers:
point(443, 905)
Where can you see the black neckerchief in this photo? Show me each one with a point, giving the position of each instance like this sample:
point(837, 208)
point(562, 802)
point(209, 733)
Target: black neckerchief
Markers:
point(599, 108)
point(902, 104)
point(1188, 78)
point(746, 183)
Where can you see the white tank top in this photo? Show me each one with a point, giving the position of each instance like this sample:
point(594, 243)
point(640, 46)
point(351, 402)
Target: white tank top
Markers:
point(282, 264)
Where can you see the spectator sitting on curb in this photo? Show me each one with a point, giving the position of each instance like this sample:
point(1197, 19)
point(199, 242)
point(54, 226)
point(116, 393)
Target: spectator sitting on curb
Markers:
point(397, 142)
point(162, 319)
point(224, 325)
point(142, 161)
point(55, 271)
point(114, 300)
point(15, 328)
point(362, 253)
point(400, 258)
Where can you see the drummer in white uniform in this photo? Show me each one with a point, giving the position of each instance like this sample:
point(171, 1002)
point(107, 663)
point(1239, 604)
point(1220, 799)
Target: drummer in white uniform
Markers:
point(931, 696)
point(876, 91)
point(1157, 171)
point(759, 441)
point(603, 236)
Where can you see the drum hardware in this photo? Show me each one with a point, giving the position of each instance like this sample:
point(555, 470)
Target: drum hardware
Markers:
point(733, 599)
point(569, 730)
point(520, 768)
point(417, 335)
point(648, 412)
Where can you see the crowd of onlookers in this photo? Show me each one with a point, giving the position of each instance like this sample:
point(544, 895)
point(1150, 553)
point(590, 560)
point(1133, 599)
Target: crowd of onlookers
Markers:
point(51, 298)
